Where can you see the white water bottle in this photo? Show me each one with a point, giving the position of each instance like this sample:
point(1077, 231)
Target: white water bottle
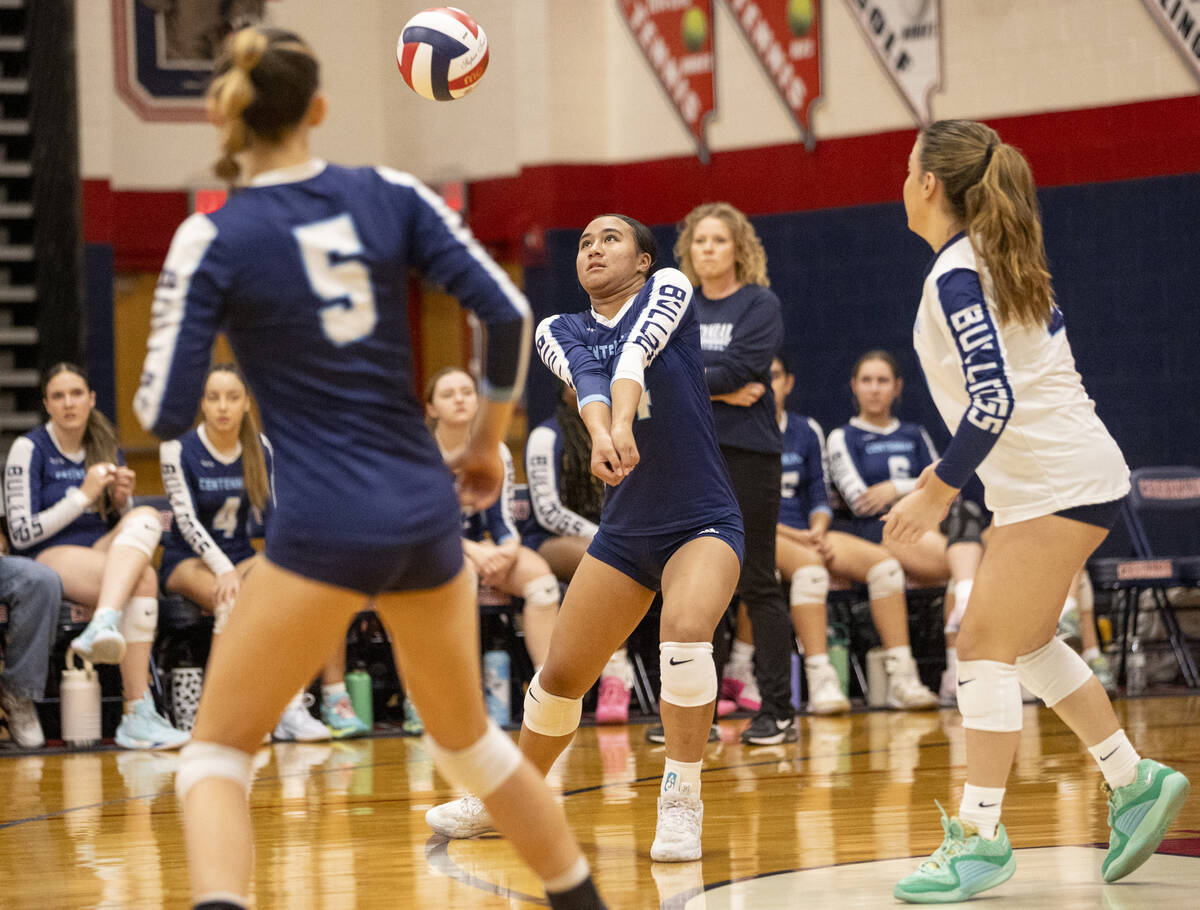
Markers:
point(79, 703)
point(1135, 668)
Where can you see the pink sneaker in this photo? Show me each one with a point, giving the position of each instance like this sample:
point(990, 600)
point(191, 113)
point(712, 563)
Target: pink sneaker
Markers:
point(725, 707)
point(612, 707)
point(738, 684)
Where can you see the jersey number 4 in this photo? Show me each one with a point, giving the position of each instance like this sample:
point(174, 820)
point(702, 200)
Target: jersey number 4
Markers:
point(332, 252)
point(226, 518)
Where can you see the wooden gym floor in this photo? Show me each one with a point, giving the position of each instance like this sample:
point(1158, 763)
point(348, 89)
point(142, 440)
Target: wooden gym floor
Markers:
point(830, 821)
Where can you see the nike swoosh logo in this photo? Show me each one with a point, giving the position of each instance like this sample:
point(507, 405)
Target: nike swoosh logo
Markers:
point(534, 697)
point(1109, 755)
point(963, 682)
point(987, 805)
point(676, 663)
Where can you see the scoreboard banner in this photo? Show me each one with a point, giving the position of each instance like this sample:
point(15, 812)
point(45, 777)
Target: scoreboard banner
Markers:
point(675, 37)
point(906, 38)
point(1180, 22)
point(785, 36)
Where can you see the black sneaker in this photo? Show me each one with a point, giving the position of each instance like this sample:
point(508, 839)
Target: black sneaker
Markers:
point(657, 735)
point(766, 730)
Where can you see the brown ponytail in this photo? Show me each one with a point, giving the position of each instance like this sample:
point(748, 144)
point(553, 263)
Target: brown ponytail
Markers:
point(263, 83)
point(99, 435)
point(989, 186)
point(255, 479)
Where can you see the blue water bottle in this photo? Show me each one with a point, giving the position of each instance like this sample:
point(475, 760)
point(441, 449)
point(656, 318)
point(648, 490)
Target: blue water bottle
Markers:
point(496, 686)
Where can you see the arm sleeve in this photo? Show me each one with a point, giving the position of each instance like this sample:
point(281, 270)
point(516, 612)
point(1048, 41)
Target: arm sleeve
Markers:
point(814, 464)
point(566, 356)
point(541, 467)
point(663, 304)
point(178, 485)
point(844, 471)
point(973, 332)
point(499, 515)
point(757, 338)
point(183, 322)
point(446, 252)
point(28, 523)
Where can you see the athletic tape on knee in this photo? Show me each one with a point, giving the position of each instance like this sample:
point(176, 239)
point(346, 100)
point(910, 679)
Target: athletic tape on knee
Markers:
point(541, 592)
point(481, 768)
point(1053, 671)
point(810, 585)
point(141, 530)
point(885, 578)
point(550, 715)
point(688, 675)
point(962, 594)
point(139, 619)
point(199, 760)
point(989, 696)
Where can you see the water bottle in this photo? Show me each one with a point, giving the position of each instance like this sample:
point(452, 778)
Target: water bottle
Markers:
point(1135, 668)
point(797, 669)
point(496, 686)
point(79, 703)
point(877, 679)
point(839, 655)
point(362, 698)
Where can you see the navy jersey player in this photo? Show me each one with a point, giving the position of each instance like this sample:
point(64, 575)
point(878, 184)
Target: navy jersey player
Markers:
point(491, 541)
point(669, 519)
point(807, 552)
point(994, 350)
point(68, 496)
point(306, 269)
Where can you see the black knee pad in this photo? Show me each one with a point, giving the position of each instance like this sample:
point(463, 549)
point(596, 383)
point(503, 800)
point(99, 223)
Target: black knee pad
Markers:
point(964, 523)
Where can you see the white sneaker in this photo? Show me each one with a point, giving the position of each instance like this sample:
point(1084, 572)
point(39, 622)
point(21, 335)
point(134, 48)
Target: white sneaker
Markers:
point(825, 695)
point(297, 724)
point(677, 836)
point(460, 818)
point(905, 691)
point(23, 726)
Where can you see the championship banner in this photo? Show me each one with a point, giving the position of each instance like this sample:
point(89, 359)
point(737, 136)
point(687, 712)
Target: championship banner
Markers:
point(1180, 22)
point(785, 35)
point(905, 36)
point(676, 38)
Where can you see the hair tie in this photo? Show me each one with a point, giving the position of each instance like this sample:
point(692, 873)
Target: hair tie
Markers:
point(987, 156)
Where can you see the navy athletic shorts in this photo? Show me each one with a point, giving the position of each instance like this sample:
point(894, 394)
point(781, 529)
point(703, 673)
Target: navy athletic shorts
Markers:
point(643, 557)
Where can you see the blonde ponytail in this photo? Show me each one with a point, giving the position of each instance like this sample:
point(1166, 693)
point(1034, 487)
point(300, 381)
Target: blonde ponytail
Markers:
point(231, 93)
point(254, 464)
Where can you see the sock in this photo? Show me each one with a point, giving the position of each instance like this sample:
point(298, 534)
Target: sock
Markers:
point(1117, 758)
point(582, 897)
point(1068, 605)
point(101, 611)
point(1090, 654)
point(579, 872)
point(904, 652)
point(681, 777)
point(742, 653)
point(616, 663)
point(952, 660)
point(981, 807)
point(130, 705)
point(816, 661)
point(333, 692)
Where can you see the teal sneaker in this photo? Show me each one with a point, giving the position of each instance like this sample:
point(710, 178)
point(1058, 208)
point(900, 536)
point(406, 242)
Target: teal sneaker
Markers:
point(413, 725)
point(338, 715)
point(101, 642)
point(145, 728)
point(1139, 814)
point(962, 866)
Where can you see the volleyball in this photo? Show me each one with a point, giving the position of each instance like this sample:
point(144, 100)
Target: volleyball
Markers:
point(442, 53)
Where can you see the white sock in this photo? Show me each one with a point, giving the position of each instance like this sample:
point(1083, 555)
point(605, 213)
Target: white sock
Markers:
point(816, 661)
point(1117, 758)
point(742, 653)
point(336, 689)
point(1090, 654)
point(981, 807)
point(904, 652)
point(616, 663)
point(681, 777)
point(574, 876)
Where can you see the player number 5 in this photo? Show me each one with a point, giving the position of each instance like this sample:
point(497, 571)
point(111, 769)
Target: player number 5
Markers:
point(332, 251)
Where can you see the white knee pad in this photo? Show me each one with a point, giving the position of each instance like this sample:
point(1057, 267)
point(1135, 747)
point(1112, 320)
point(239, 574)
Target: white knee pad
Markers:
point(221, 615)
point(885, 578)
point(481, 768)
point(1053, 671)
point(199, 760)
point(810, 585)
point(688, 675)
point(139, 619)
point(550, 715)
point(541, 592)
point(989, 696)
point(141, 530)
point(962, 594)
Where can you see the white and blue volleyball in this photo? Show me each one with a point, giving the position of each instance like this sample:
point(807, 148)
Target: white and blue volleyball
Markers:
point(442, 53)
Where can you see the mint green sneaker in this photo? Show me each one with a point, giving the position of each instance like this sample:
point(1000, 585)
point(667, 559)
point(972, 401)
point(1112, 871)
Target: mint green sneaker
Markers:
point(145, 728)
point(963, 865)
point(413, 725)
point(338, 715)
point(1139, 814)
point(101, 642)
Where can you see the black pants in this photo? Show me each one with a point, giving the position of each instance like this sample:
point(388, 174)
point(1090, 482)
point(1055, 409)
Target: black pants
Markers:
point(756, 477)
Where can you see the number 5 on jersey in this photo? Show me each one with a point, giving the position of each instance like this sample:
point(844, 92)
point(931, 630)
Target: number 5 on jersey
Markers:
point(331, 250)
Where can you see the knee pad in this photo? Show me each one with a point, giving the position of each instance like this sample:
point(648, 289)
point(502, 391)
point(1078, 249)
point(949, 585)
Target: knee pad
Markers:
point(482, 767)
point(199, 760)
point(139, 619)
point(541, 592)
point(221, 615)
point(689, 677)
point(810, 585)
point(963, 523)
point(1053, 671)
point(550, 715)
point(962, 594)
point(989, 696)
point(141, 530)
point(885, 578)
